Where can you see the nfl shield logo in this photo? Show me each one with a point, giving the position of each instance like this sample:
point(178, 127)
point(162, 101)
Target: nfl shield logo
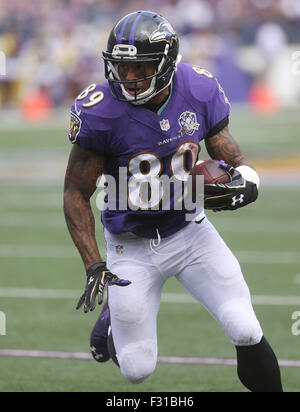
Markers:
point(165, 125)
point(119, 249)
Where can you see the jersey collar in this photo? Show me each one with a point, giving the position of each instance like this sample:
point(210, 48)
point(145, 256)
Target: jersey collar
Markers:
point(164, 106)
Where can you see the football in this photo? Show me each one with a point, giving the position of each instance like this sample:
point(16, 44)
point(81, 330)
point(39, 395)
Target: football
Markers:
point(211, 171)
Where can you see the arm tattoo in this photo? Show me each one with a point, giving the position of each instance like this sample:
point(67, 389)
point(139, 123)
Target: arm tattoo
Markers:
point(82, 173)
point(223, 147)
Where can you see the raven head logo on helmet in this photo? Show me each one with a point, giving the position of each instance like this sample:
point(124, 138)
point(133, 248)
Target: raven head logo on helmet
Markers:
point(165, 32)
point(148, 39)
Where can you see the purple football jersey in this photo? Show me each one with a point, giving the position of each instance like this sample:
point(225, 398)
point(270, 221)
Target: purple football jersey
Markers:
point(148, 144)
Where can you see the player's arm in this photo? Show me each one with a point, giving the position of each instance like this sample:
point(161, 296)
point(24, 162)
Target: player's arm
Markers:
point(84, 168)
point(243, 188)
point(83, 171)
point(223, 146)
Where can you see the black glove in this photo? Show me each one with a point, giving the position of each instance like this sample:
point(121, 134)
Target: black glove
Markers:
point(98, 277)
point(229, 196)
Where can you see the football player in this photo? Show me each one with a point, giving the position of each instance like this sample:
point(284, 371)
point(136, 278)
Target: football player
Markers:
point(149, 119)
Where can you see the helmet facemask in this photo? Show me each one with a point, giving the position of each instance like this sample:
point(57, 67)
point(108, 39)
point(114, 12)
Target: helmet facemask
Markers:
point(160, 80)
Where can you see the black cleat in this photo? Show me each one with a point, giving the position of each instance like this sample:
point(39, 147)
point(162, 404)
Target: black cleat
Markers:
point(99, 336)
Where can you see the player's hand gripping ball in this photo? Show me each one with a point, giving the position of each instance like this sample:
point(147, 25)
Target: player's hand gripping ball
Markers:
point(224, 186)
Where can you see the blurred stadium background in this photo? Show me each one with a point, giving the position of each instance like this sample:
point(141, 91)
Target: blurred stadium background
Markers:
point(50, 51)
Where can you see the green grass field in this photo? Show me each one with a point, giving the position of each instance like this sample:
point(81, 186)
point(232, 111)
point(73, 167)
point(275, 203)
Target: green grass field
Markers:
point(41, 274)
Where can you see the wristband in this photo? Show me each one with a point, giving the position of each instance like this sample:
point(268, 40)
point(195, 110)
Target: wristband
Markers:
point(249, 174)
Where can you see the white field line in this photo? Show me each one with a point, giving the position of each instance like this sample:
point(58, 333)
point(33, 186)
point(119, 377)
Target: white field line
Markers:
point(42, 200)
point(183, 360)
point(56, 219)
point(247, 225)
point(40, 222)
point(38, 251)
point(31, 293)
point(268, 257)
point(63, 251)
point(258, 225)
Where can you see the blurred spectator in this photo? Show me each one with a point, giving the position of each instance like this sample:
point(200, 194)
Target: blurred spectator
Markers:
point(55, 45)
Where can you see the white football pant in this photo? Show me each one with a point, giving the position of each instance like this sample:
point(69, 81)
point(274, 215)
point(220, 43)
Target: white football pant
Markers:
point(200, 260)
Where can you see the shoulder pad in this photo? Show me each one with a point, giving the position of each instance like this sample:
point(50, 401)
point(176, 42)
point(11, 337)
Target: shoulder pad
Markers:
point(97, 100)
point(94, 115)
point(205, 94)
point(201, 84)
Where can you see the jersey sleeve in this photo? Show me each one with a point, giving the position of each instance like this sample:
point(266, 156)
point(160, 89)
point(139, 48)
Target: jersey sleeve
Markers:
point(218, 111)
point(89, 130)
point(207, 96)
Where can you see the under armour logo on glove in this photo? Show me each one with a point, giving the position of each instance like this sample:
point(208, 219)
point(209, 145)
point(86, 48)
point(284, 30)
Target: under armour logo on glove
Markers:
point(91, 280)
point(235, 200)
